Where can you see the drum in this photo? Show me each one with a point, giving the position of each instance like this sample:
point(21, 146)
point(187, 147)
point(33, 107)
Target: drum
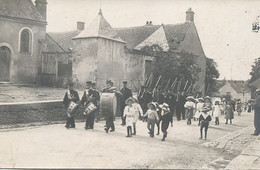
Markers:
point(90, 108)
point(72, 108)
point(108, 104)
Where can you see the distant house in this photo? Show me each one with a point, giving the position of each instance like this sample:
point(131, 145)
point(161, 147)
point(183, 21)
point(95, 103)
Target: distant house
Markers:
point(237, 89)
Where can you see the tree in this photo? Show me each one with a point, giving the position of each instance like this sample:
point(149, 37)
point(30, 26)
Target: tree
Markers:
point(212, 75)
point(255, 73)
point(171, 65)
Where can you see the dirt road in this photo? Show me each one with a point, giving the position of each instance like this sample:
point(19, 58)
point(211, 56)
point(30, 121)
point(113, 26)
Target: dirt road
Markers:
point(53, 146)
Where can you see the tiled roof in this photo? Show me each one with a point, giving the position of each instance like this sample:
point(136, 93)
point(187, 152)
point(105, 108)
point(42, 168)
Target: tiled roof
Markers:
point(99, 27)
point(64, 39)
point(239, 86)
point(133, 36)
point(256, 83)
point(20, 9)
point(158, 37)
point(51, 46)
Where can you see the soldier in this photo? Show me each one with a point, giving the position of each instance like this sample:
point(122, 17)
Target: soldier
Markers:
point(89, 96)
point(126, 93)
point(70, 97)
point(109, 117)
point(94, 87)
point(180, 110)
point(170, 99)
point(147, 98)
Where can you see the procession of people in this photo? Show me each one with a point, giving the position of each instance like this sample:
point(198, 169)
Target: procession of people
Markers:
point(155, 108)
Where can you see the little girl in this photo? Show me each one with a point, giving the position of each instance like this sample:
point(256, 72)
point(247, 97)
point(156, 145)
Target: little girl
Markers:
point(205, 118)
point(216, 111)
point(129, 113)
point(189, 106)
point(166, 118)
point(138, 111)
point(152, 118)
point(229, 114)
point(199, 107)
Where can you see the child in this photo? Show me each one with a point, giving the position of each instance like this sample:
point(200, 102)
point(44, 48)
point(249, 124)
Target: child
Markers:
point(129, 113)
point(189, 106)
point(158, 110)
point(205, 118)
point(199, 106)
point(229, 114)
point(137, 112)
point(71, 98)
point(166, 118)
point(216, 111)
point(152, 118)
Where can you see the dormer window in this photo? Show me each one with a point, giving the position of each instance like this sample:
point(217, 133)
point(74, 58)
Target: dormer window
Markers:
point(25, 41)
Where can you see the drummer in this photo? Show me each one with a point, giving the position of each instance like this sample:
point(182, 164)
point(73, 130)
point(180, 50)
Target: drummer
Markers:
point(94, 87)
point(89, 96)
point(70, 96)
point(109, 118)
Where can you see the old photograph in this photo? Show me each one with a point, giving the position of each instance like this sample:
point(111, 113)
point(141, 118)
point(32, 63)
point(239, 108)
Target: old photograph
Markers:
point(129, 84)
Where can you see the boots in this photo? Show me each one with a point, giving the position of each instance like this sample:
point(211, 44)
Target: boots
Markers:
point(134, 130)
point(128, 131)
point(164, 136)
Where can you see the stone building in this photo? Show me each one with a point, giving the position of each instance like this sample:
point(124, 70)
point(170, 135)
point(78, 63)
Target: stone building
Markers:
point(101, 52)
point(237, 89)
point(97, 52)
point(23, 29)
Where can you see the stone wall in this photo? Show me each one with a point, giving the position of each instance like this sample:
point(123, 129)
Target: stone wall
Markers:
point(44, 111)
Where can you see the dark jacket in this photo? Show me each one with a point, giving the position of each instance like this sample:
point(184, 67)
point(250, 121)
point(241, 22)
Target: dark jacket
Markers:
point(92, 96)
point(74, 96)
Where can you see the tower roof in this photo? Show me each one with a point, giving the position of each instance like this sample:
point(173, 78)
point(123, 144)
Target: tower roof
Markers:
point(20, 9)
point(99, 27)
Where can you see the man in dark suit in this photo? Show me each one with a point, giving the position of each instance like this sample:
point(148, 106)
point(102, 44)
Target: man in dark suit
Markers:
point(126, 93)
point(70, 96)
point(257, 113)
point(89, 96)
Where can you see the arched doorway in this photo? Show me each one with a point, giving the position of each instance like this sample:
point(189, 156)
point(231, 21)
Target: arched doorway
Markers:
point(5, 60)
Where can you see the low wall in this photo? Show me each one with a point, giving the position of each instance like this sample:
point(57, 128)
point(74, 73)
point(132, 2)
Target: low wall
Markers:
point(28, 112)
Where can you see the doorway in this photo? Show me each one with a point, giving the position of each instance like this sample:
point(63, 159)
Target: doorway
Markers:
point(5, 60)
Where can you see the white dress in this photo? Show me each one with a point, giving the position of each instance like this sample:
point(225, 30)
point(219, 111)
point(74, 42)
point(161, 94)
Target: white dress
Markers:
point(129, 113)
point(199, 110)
point(216, 110)
point(137, 110)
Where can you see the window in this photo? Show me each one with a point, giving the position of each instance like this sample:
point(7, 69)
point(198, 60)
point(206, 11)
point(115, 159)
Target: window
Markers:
point(25, 41)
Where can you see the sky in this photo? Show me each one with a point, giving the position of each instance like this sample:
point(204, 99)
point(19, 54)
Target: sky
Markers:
point(224, 26)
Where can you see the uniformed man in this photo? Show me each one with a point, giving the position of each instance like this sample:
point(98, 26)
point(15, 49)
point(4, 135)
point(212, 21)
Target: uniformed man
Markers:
point(89, 96)
point(170, 99)
point(126, 93)
point(70, 96)
point(97, 112)
point(109, 117)
point(147, 98)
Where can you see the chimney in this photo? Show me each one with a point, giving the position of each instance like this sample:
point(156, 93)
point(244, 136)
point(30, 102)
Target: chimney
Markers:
point(80, 26)
point(189, 15)
point(41, 5)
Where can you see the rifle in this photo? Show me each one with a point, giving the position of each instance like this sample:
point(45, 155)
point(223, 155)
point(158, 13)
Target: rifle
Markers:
point(173, 84)
point(167, 85)
point(156, 85)
point(179, 85)
point(194, 86)
point(207, 89)
point(185, 85)
point(189, 88)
